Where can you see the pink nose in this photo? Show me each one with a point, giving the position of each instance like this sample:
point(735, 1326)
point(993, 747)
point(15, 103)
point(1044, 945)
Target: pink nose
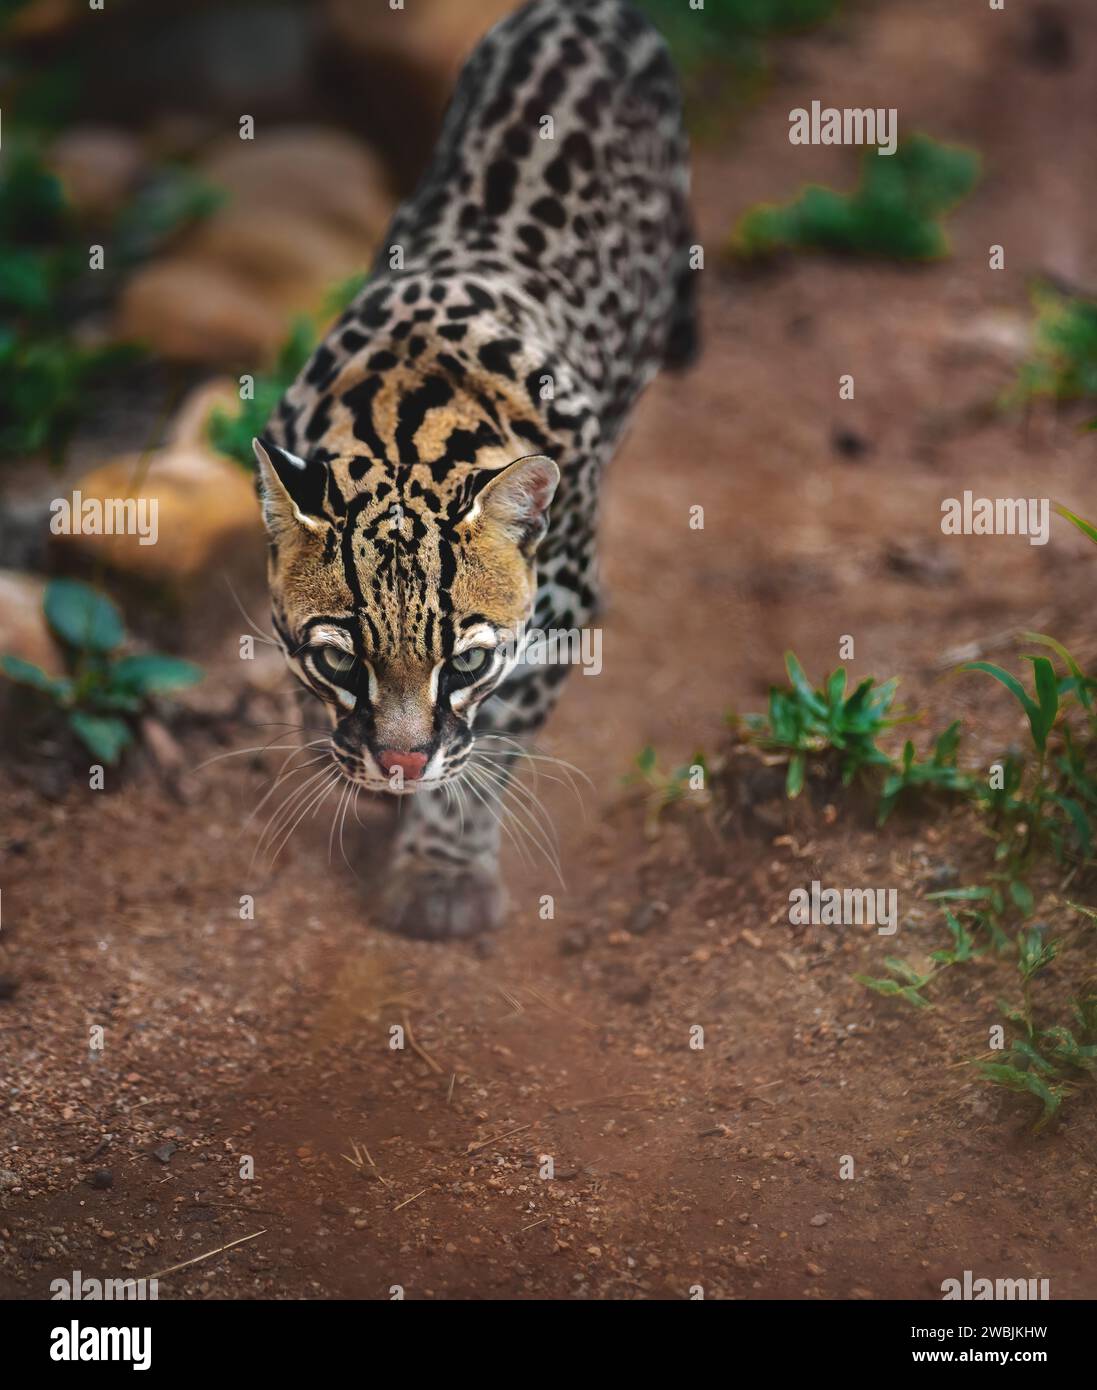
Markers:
point(411, 764)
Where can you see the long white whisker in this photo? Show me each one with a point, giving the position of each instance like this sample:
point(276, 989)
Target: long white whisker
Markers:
point(267, 637)
point(334, 819)
point(509, 783)
point(313, 805)
point(481, 796)
point(523, 815)
point(284, 776)
point(286, 810)
point(520, 816)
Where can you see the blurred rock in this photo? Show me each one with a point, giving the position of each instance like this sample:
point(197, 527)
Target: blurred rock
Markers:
point(326, 173)
point(192, 418)
point(206, 509)
point(42, 18)
point(997, 334)
point(305, 208)
point(192, 312)
point(97, 166)
point(289, 256)
point(23, 628)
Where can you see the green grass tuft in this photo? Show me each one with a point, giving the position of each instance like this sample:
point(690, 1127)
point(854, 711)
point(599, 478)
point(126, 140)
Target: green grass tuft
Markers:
point(895, 212)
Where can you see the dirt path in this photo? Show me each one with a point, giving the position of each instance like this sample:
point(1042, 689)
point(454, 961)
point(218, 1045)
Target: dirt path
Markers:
point(672, 1166)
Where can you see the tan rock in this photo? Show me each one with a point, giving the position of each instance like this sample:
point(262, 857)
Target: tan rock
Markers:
point(192, 418)
point(193, 311)
point(290, 257)
point(205, 507)
point(42, 18)
point(325, 173)
point(97, 166)
point(305, 208)
point(24, 631)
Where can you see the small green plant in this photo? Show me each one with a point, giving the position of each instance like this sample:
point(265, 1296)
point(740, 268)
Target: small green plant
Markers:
point(1048, 807)
point(1045, 1061)
point(908, 982)
point(101, 691)
point(803, 721)
point(170, 199)
point(45, 384)
point(665, 789)
point(1034, 810)
point(894, 212)
point(231, 434)
point(1063, 364)
point(940, 773)
point(47, 375)
point(730, 34)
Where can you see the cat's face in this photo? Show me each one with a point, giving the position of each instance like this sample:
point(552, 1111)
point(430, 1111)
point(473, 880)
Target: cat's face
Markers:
point(397, 602)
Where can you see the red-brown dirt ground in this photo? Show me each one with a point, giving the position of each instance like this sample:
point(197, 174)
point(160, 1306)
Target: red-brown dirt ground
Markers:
point(570, 1038)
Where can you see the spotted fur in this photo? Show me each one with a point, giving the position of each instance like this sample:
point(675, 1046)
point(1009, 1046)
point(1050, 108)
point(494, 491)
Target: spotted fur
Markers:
point(431, 479)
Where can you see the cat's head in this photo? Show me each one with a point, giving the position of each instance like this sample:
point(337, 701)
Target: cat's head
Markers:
point(397, 602)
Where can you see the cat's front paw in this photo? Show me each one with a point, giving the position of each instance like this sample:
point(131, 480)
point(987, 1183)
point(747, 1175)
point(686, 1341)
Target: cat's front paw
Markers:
point(440, 904)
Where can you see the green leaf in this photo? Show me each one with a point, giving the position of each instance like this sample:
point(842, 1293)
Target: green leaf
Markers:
point(1022, 896)
point(1078, 819)
point(959, 894)
point(1047, 691)
point(794, 782)
point(84, 618)
point(1086, 528)
point(26, 673)
point(151, 673)
point(1005, 1075)
point(963, 944)
point(645, 759)
point(1034, 712)
point(103, 736)
point(802, 686)
point(906, 972)
point(836, 689)
point(1051, 1097)
point(1081, 681)
point(947, 744)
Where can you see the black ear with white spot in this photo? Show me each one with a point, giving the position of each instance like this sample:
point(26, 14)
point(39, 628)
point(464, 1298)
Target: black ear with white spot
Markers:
point(519, 497)
point(292, 489)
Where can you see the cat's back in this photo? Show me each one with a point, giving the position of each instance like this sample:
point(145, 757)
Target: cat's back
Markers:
point(562, 156)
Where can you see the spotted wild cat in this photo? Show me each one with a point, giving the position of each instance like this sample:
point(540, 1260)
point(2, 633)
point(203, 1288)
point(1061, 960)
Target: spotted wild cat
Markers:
point(430, 481)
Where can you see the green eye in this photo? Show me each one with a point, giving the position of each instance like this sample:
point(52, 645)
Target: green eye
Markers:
point(472, 660)
point(334, 663)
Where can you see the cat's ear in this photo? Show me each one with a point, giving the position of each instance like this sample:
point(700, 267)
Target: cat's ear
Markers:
point(291, 489)
point(518, 497)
